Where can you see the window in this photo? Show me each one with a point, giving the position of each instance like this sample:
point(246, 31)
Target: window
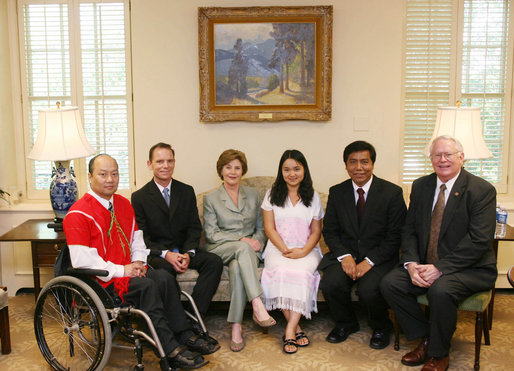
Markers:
point(457, 50)
point(76, 52)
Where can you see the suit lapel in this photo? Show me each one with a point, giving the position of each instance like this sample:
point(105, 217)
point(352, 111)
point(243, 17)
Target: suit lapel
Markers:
point(427, 202)
point(372, 199)
point(453, 201)
point(176, 193)
point(228, 201)
point(156, 196)
point(350, 207)
point(241, 201)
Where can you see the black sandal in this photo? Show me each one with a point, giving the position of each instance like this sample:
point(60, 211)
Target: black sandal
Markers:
point(302, 335)
point(289, 342)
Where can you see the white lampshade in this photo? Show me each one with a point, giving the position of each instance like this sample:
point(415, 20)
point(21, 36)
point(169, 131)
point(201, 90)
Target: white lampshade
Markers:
point(60, 136)
point(462, 123)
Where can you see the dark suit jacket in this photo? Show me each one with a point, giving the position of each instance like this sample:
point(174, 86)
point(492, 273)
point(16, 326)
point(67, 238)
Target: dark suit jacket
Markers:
point(467, 229)
point(167, 228)
point(379, 234)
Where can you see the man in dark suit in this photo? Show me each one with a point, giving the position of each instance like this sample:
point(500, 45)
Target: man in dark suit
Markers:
point(166, 211)
point(446, 253)
point(362, 229)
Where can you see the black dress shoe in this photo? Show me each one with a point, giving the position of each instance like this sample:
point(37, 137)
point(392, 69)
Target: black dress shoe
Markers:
point(197, 329)
point(379, 339)
point(183, 358)
point(340, 334)
point(198, 344)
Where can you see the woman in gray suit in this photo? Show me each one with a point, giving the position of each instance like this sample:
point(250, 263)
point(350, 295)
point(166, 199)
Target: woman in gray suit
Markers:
point(234, 231)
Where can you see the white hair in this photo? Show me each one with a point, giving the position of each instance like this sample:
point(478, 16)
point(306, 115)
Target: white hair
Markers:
point(458, 144)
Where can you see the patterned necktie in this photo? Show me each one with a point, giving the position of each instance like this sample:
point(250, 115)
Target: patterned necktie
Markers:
point(111, 209)
point(435, 226)
point(166, 194)
point(360, 204)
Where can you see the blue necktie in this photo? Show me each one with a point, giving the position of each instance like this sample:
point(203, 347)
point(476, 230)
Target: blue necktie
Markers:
point(166, 194)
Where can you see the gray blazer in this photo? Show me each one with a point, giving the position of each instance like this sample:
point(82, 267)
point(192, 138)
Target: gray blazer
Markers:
point(224, 221)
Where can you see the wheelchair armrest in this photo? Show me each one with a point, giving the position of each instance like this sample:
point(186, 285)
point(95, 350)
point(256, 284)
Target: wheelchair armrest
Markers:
point(87, 272)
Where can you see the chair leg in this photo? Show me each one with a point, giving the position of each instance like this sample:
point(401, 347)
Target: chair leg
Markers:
point(490, 310)
point(5, 336)
point(478, 337)
point(485, 319)
point(396, 330)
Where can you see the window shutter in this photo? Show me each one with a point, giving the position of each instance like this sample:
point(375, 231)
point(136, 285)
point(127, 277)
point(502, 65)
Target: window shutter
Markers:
point(484, 74)
point(104, 80)
point(426, 77)
point(95, 77)
point(47, 66)
point(479, 77)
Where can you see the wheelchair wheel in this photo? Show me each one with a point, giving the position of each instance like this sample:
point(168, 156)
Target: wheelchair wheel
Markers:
point(72, 327)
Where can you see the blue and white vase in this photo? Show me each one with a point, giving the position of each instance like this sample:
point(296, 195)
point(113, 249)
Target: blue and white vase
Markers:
point(63, 189)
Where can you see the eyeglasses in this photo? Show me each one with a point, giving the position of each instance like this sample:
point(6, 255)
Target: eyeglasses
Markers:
point(447, 155)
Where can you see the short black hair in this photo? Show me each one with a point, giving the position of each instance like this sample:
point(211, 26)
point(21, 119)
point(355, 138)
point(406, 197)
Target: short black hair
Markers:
point(91, 164)
point(358, 146)
point(160, 145)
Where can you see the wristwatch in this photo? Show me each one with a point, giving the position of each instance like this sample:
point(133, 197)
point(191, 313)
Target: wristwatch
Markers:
point(191, 253)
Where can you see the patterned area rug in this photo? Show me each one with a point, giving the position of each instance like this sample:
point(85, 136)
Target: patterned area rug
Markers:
point(264, 352)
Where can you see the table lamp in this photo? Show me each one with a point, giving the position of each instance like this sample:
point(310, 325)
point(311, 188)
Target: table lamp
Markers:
point(464, 124)
point(61, 138)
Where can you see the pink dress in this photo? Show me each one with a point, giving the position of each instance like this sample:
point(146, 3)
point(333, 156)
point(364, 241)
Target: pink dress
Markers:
point(292, 284)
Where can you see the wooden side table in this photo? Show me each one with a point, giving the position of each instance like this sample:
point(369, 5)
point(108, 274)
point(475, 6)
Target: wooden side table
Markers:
point(45, 242)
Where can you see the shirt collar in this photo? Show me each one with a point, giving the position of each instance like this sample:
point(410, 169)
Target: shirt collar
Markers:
point(161, 188)
point(449, 184)
point(103, 201)
point(365, 187)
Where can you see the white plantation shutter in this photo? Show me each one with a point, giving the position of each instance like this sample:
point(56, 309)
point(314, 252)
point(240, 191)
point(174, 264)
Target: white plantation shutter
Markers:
point(104, 80)
point(47, 72)
point(456, 50)
point(484, 78)
point(427, 75)
point(90, 71)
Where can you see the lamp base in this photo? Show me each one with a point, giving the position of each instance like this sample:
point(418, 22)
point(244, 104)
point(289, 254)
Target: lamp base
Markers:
point(63, 189)
point(56, 225)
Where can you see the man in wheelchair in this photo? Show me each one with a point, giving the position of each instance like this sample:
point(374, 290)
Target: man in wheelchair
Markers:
point(101, 233)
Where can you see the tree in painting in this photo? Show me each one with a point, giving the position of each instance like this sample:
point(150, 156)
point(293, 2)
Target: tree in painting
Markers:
point(238, 71)
point(292, 40)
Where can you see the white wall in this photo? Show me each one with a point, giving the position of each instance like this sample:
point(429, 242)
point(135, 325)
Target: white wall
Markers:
point(367, 55)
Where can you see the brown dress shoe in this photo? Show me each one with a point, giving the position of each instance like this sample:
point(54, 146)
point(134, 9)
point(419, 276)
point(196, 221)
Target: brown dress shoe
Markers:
point(436, 364)
point(418, 355)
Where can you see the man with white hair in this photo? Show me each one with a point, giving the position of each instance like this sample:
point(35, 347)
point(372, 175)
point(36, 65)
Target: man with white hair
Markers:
point(446, 253)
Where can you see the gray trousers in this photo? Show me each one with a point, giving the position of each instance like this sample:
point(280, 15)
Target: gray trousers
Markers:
point(242, 264)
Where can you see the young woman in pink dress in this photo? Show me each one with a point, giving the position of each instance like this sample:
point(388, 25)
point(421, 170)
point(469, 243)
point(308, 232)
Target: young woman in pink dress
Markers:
point(292, 215)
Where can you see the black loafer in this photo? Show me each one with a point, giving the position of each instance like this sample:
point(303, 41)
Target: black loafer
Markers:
point(199, 344)
point(340, 334)
point(183, 358)
point(197, 329)
point(379, 339)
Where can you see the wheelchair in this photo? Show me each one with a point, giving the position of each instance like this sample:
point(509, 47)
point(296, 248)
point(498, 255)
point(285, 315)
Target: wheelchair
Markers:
point(76, 321)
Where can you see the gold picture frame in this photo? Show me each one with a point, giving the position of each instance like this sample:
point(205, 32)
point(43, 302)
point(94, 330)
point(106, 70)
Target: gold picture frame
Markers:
point(265, 63)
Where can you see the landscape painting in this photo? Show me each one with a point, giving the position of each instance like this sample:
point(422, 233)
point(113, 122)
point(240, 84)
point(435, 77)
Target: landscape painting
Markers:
point(265, 63)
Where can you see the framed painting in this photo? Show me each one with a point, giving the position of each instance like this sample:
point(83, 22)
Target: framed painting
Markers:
point(265, 63)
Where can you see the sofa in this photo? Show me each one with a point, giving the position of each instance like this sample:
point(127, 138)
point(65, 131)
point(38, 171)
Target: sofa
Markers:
point(187, 280)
